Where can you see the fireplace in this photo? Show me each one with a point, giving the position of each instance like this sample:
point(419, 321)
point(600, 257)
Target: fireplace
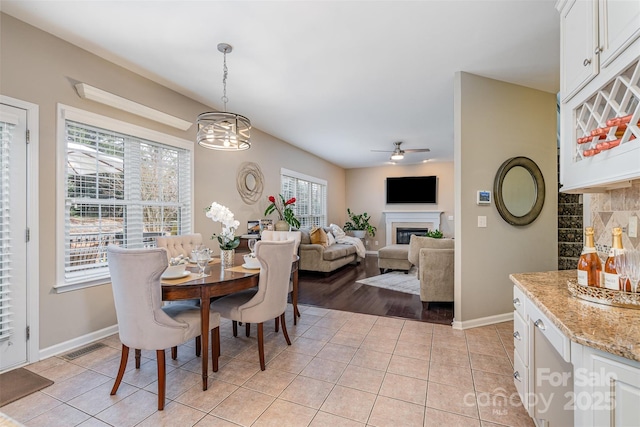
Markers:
point(403, 235)
point(409, 219)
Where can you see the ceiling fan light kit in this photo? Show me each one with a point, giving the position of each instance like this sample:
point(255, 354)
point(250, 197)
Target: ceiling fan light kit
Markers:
point(223, 130)
point(398, 153)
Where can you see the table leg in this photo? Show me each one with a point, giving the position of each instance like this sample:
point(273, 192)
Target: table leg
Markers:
point(294, 297)
point(204, 317)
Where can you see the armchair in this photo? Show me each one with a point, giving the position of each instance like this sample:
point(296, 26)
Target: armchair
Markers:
point(434, 259)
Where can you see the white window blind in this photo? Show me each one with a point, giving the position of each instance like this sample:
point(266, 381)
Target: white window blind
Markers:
point(5, 237)
point(311, 197)
point(120, 190)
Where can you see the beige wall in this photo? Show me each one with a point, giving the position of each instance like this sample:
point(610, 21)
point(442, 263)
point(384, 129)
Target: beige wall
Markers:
point(39, 68)
point(366, 193)
point(495, 121)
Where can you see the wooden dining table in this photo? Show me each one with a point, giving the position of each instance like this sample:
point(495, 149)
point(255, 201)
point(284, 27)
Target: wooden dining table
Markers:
point(219, 281)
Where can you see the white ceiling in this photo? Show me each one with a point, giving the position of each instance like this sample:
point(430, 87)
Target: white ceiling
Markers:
point(335, 78)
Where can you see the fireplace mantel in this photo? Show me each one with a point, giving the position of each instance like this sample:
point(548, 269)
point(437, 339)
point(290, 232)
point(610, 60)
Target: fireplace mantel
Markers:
point(392, 217)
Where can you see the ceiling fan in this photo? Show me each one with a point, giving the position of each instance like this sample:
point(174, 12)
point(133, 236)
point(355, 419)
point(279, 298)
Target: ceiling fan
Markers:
point(398, 153)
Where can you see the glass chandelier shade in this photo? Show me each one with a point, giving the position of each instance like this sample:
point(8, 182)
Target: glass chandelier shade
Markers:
point(223, 130)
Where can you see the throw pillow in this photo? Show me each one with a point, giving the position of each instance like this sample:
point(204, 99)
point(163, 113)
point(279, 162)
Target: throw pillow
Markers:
point(337, 231)
point(330, 239)
point(318, 236)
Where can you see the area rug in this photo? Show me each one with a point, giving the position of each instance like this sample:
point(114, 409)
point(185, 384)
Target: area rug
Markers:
point(20, 383)
point(396, 281)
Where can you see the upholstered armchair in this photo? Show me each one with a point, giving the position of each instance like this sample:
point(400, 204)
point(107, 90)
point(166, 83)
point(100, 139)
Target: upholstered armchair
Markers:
point(434, 259)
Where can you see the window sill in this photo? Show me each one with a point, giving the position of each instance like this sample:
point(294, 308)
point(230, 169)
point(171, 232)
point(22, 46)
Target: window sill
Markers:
point(68, 287)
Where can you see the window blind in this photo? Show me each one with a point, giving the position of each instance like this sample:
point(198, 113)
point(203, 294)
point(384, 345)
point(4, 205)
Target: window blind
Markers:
point(311, 197)
point(121, 190)
point(5, 240)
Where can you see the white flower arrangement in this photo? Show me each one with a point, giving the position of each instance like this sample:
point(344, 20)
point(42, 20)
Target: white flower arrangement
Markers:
point(223, 215)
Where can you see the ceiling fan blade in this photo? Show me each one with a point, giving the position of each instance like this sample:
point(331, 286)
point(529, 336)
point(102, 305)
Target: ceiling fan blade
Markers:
point(382, 151)
point(416, 150)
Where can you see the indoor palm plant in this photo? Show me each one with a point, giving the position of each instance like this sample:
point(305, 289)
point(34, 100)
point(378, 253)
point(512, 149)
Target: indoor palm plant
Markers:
point(359, 223)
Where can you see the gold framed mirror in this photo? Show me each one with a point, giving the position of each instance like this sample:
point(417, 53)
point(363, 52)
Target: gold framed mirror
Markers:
point(519, 191)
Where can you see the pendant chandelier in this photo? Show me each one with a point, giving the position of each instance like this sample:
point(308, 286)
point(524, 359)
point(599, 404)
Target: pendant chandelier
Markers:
point(223, 130)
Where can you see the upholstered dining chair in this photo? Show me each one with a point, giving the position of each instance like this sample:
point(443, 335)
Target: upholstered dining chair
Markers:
point(278, 236)
point(269, 300)
point(143, 323)
point(179, 245)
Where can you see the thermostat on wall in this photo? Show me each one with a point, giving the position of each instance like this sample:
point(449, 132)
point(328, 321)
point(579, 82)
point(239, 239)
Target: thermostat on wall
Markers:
point(484, 197)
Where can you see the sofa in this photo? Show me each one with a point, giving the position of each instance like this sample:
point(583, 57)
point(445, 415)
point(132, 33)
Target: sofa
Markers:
point(434, 259)
point(324, 259)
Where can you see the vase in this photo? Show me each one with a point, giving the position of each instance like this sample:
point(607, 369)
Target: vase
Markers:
point(226, 257)
point(282, 225)
point(359, 233)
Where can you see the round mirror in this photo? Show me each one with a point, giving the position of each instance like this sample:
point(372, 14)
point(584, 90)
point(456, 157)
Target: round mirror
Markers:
point(519, 191)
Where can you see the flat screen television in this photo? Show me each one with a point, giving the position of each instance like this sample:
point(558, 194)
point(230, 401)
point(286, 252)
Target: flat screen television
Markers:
point(412, 189)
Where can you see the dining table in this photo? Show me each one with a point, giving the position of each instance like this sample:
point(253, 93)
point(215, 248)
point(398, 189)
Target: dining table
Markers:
point(218, 281)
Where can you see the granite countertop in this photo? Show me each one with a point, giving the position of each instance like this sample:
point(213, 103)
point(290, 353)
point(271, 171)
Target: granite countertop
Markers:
point(611, 329)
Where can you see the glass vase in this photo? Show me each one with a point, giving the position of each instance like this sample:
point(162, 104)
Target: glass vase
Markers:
point(226, 257)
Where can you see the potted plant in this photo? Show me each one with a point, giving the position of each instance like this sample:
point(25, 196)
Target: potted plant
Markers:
point(359, 225)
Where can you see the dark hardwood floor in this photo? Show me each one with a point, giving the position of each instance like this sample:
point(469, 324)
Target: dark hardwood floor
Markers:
point(339, 291)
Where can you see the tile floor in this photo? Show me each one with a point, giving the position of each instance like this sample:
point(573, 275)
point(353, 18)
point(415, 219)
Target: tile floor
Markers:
point(343, 369)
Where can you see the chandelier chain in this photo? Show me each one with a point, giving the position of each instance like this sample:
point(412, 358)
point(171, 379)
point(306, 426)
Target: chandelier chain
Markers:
point(225, 72)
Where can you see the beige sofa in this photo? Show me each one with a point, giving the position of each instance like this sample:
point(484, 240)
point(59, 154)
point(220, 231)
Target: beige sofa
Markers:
point(434, 259)
point(315, 257)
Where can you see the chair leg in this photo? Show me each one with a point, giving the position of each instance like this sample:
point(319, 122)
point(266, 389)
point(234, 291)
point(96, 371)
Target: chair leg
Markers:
point(247, 327)
point(162, 378)
point(198, 345)
point(138, 353)
point(215, 348)
point(235, 328)
point(123, 365)
point(174, 353)
point(284, 329)
point(278, 324)
point(261, 345)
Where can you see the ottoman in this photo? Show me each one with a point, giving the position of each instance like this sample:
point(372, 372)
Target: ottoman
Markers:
point(394, 257)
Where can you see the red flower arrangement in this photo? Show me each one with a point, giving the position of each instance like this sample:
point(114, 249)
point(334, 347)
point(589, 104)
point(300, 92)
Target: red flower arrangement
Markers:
point(283, 207)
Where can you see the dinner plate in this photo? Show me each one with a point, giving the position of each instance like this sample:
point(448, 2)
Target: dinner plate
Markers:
point(250, 268)
point(176, 276)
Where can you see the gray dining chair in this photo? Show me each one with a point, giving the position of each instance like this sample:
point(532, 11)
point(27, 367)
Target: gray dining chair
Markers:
point(179, 245)
point(278, 236)
point(267, 301)
point(143, 323)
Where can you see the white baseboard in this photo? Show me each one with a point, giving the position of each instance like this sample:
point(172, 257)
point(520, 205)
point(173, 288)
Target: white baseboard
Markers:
point(66, 346)
point(483, 321)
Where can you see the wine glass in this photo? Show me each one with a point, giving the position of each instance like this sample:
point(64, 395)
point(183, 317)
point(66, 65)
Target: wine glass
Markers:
point(633, 269)
point(202, 260)
point(620, 262)
point(252, 245)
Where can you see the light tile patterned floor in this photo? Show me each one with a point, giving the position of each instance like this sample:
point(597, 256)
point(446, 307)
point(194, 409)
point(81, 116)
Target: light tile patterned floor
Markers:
point(343, 369)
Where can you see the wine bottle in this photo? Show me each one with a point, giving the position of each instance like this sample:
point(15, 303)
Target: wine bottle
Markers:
point(611, 276)
point(589, 265)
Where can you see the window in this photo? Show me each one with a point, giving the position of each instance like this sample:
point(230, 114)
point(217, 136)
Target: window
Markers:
point(121, 185)
point(310, 194)
point(6, 128)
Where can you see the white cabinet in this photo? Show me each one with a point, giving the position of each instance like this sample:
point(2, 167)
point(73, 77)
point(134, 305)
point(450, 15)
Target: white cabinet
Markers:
point(619, 26)
point(578, 42)
point(607, 388)
point(521, 353)
point(600, 82)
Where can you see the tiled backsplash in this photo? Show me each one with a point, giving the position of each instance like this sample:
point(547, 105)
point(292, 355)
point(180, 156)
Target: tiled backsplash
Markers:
point(613, 209)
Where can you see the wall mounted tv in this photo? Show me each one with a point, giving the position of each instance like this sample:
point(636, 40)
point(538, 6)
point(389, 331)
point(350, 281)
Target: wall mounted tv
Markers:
point(412, 189)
